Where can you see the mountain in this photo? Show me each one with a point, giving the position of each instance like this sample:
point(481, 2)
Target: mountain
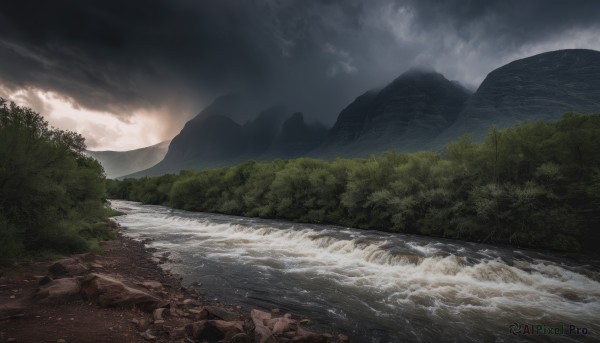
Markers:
point(262, 131)
point(543, 86)
point(119, 163)
point(404, 116)
point(297, 138)
point(214, 139)
point(210, 139)
point(419, 110)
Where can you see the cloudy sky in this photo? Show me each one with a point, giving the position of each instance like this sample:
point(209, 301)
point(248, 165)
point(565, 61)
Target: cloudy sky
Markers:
point(127, 74)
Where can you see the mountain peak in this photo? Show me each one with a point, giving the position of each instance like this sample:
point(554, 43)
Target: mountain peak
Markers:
point(543, 86)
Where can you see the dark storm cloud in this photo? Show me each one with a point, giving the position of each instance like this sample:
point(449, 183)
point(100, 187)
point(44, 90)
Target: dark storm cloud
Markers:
point(313, 56)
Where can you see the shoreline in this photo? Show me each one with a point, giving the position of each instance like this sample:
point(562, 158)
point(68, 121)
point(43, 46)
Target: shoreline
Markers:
point(64, 301)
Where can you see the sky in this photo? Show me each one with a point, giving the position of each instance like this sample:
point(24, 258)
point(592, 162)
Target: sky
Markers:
point(127, 74)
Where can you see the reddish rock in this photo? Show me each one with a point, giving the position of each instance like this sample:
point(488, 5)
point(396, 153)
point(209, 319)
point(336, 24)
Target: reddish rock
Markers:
point(158, 314)
point(71, 266)
point(343, 338)
point(215, 312)
point(259, 317)
point(310, 338)
point(214, 329)
point(59, 290)
point(282, 325)
point(107, 291)
point(240, 338)
point(263, 335)
point(151, 285)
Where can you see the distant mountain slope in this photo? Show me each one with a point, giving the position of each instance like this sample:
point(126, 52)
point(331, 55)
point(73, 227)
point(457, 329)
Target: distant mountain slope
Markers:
point(213, 139)
point(296, 138)
point(403, 116)
point(543, 86)
point(119, 163)
point(420, 110)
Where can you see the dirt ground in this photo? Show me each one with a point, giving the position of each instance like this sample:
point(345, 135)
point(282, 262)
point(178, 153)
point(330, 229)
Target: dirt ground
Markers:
point(26, 320)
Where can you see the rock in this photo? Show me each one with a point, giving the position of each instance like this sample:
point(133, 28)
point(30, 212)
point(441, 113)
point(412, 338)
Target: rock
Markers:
point(158, 314)
point(59, 290)
point(343, 338)
point(240, 338)
point(148, 336)
point(282, 325)
point(60, 340)
point(263, 335)
point(107, 291)
point(305, 321)
point(177, 333)
point(71, 266)
point(259, 317)
point(275, 310)
point(214, 330)
point(44, 280)
point(228, 328)
point(159, 322)
point(195, 328)
point(189, 302)
point(210, 312)
point(142, 324)
point(151, 285)
point(310, 338)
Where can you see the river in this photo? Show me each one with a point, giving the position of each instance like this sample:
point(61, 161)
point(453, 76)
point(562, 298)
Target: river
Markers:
point(375, 286)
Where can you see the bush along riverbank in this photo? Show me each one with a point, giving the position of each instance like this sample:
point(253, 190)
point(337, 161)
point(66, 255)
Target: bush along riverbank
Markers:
point(52, 196)
point(535, 185)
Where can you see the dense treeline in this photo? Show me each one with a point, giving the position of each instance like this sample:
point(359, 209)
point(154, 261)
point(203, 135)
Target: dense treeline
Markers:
point(537, 184)
point(52, 196)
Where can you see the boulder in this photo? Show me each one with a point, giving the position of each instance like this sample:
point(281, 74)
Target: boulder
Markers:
point(262, 334)
point(240, 338)
point(215, 312)
point(214, 330)
point(310, 338)
point(259, 317)
point(148, 336)
point(71, 266)
point(158, 314)
point(282, 325)
point(44, 280)
point(107, 291)
point(151, 285)
point(59, 290)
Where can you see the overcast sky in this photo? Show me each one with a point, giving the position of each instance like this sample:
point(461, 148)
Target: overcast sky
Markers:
point(127, 74)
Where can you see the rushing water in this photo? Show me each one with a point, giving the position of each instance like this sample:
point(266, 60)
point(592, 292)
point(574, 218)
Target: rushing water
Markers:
point(375, 286)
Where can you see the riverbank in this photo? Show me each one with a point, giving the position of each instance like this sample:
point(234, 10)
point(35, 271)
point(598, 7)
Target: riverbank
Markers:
point(123, 295)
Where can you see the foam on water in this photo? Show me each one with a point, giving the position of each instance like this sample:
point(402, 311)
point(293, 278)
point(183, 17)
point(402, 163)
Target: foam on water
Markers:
point(396, 277)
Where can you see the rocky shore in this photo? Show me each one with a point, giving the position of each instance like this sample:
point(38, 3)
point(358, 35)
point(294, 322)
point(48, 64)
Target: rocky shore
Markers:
point(123, 295)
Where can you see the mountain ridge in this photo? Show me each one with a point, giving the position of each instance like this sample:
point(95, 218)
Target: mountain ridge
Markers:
point(418, 110)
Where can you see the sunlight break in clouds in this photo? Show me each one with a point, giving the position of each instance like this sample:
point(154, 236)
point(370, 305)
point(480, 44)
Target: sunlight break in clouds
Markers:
point(102, 130)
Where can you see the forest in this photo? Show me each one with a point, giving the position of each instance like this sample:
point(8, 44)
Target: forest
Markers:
point(52, 196)
point(536, 184)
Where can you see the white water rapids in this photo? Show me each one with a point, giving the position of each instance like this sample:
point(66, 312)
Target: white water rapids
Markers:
point(374, 286)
